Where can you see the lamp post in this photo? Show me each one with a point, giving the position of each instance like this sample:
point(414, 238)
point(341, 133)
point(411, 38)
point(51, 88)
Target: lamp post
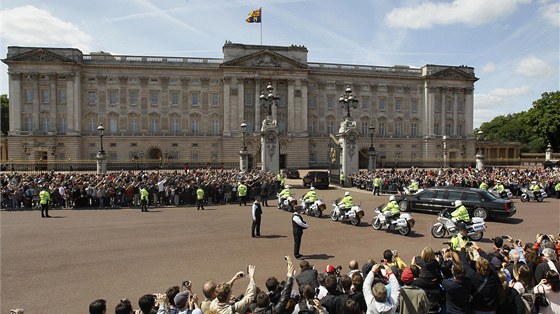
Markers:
point(444, 151)
point(101, 129)
point(101, 157)
point(243, 163)
point(371, 151)
point(141, 154)
point(348, 101)
point(269, 99)
point(397, 154)
point(479, 154)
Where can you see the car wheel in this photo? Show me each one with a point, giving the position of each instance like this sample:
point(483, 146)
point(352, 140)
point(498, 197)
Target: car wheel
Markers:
point(376, 223)
point(403, 206)
point(480, 212)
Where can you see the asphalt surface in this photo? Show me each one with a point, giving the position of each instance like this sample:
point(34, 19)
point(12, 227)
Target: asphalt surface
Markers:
point(61, 264)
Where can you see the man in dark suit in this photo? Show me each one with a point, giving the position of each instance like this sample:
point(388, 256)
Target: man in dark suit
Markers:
point(298, 225)
point(256, 213)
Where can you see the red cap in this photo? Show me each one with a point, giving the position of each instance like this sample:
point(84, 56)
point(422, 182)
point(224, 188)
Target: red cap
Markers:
point(407, 276)
point(329, 269)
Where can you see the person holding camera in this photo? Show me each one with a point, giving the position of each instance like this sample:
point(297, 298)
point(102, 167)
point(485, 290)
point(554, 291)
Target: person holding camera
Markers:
point(460, 238)
point(266, 305)
point(309, 303)
point(209, 290)
point(222, 303)
point(376, 296)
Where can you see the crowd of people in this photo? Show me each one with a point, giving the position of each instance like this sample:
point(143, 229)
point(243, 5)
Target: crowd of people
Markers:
point(514, 179)
point(123, 189)
point(512, 277)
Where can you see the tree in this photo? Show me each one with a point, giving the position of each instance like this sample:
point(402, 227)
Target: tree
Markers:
point(5, 122)
point(543, 120)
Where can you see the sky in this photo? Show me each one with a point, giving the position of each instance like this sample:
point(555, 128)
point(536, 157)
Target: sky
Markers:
point(514, 45)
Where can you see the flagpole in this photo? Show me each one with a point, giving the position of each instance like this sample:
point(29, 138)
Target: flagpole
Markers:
point(261, 24)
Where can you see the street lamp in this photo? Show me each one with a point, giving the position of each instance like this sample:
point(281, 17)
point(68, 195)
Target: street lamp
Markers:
point(269, 99)
point(397, 154)
point(371, 151)
point(243, 164)
point(348, 101)
point(100, 129)
point(444, 151)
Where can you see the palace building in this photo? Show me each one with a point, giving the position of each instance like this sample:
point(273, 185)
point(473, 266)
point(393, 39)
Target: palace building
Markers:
point(190, 109)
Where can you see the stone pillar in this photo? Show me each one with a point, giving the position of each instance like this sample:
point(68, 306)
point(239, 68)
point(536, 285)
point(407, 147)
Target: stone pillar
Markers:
point(348, 139)
point(479, 160)
point(101, 163)
point(270, 146)
point(227, 106)
point(243, 159)
point(16, 101)
point(257, 105)
point(548, 153)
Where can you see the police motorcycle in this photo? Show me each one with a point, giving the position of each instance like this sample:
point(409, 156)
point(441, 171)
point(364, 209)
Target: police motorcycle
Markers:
point(353, 215)
point(314, 209)
point(505, 194)
point(287, 204)
point(445, 225)
point(403, 224)
point(527, 195)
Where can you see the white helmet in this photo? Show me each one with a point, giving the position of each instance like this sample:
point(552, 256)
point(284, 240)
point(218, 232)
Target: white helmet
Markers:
point(458, 203)
point(391, 198)
point(286, 186)
point(347, 193)
point(312, 188)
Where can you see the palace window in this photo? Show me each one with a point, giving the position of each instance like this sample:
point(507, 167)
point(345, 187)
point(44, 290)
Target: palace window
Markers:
point(133, 97)
point(113, 97)
point(62, 96)
point(174, 98)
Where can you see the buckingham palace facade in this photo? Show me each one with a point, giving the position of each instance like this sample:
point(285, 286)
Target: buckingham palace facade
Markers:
point(190, 109)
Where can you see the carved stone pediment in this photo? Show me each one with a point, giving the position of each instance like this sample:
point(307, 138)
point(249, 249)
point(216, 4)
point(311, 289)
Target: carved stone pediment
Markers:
point(39, 55)
point(265, 59)
point(452, 74)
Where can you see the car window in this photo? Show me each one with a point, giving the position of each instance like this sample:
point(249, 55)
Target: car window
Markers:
point(454, 195)
point(428, 194)
point(440, 195)
point(322, 175)
point(488, 196)
point(472, 197)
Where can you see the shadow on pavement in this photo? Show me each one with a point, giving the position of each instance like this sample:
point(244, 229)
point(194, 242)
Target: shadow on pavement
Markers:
point(318, 256)
point(273, 236)
point(513, 221)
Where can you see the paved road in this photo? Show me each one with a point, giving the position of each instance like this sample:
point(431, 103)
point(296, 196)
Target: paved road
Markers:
point(61, 264)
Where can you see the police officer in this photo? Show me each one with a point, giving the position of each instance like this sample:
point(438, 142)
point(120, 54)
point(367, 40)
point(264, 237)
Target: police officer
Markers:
point(557, 189)
point(342, 178)
point(535, 187)
point(45, 198)
point(483, 186)
point(460, 213)
point(346, 203)
point(500, 188)
point(298, 225)
point(256, 212)
point(376, 185)
point(392, 209)
point(199, 198)
point(413, 187)
point(460, 238)
point(310, 197)
point(242, 193)
point(144, 198)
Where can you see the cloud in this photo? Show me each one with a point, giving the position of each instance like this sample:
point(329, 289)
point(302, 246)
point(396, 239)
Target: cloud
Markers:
point(499, 97)
point(533, 67)
point(468, 12)
point(550, 12)
point(488, 67)
point(31, 26)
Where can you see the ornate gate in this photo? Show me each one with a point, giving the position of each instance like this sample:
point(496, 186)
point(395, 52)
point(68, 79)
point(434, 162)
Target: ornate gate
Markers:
point(334, 160)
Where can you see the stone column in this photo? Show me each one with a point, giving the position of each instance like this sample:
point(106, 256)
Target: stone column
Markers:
point(101, 162)
point(304, 110)
point(348, 138)
point(227, 106)
point(270, 152)
point(16, 102)
point(290, 102)
point(240, 101)
point(468, 110)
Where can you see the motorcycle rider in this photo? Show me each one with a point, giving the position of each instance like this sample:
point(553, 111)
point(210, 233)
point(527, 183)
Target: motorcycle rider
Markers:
point(285, 193)
point(391, 210)
point(483, 186)
point(500, 188)
point(460, 213)
point(309, 197)
point(460, 238)
point(535, 188)
point(413, 187)
point(346, 203)
point(557, 189)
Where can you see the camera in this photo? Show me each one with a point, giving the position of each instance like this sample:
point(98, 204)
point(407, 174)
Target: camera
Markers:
point(186, 283)
point(505, 237)
point(469, 243)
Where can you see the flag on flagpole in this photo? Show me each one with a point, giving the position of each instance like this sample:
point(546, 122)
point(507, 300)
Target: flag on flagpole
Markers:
point(254, 16)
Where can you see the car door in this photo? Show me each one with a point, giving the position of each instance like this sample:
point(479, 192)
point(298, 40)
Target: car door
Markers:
point(423, 201)
point(471, 200)
point(450, 199)
point(440, 201)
